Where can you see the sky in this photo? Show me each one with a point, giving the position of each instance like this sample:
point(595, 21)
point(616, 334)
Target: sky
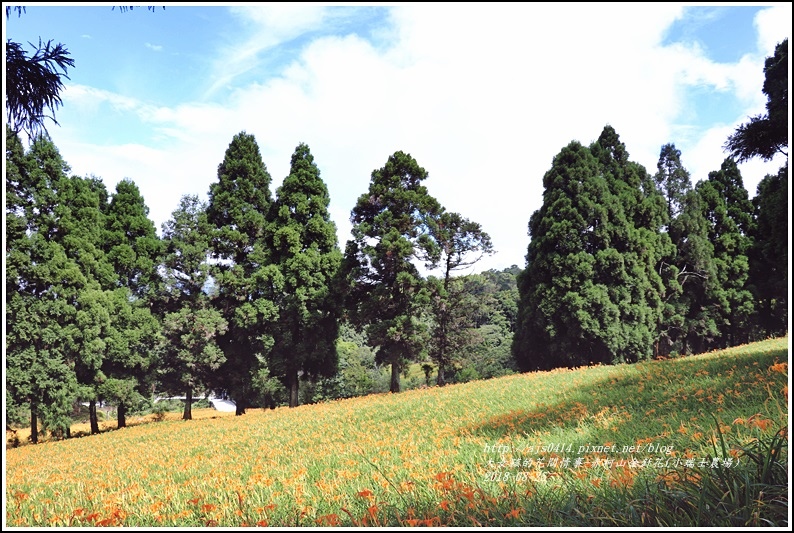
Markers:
point(483, 96)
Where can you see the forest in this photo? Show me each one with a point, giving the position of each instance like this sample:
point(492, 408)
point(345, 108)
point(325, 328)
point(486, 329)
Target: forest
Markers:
point(250, 295)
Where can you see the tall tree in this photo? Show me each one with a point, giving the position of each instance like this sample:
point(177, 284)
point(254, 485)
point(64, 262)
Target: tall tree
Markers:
point(729, 214)
point(590, 291)
point(766, 135)
point(135, 251)
point(306, 253)
point(191, 324)
point(769, 253)
point(457, 243)
point(245, 276)
point(42, 288)
point(389, 231)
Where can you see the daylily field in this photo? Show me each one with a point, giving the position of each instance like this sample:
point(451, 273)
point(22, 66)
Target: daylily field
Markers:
point(591, 446)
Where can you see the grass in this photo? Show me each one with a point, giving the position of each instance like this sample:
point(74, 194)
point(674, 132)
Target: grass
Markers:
point(697, 441)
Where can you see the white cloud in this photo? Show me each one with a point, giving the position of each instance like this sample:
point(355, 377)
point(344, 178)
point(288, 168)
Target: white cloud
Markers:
point(482, 96)
point(268, 26)
point(155, 47)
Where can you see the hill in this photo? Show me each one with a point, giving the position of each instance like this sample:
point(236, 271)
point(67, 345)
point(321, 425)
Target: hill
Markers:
point(691, 441)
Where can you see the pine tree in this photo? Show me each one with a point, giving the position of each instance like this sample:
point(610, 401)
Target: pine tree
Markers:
point(389, 231)
point(42, 289)
point(247, 281)
point(590, 292)
point(769, 253)
point(191, 324)
point(454, 240)
point(729, 214)
point(306, 253)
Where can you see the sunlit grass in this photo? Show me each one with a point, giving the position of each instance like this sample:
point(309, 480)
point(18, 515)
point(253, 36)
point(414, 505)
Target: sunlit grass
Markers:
point(490, 453)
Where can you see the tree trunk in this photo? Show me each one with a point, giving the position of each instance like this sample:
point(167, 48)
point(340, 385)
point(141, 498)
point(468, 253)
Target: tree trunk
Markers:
point(239, 409)
point(395, 378)
point(293, 388)
point(121, 412)
point(34, 425)
point(92, 417)
point(441, 380)
point(188, 413)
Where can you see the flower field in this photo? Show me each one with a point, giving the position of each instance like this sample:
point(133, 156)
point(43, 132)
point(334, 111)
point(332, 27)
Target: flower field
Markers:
point(590, 446)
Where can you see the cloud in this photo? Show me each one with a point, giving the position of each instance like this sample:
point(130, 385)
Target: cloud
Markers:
point(155, 47)
point(268, 26)
point(482, 96)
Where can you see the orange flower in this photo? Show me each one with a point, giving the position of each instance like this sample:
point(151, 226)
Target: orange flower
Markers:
point(328, 520)
point(513, 513)
point(366, 493)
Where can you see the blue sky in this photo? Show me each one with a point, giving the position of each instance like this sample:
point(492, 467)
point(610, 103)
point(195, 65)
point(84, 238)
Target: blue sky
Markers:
point(482, 95)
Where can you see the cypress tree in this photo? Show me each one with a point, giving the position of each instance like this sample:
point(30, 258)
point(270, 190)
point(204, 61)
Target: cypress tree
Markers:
point(245, 277)
point(389, 230)
point(306, 253)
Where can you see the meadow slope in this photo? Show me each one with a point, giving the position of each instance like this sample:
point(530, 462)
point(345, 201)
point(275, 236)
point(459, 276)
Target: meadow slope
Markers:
point(589, 446)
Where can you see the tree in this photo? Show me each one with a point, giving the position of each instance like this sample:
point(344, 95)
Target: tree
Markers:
point(455, 239)
point(135, 251)
point(192, 325)
point(688, 270)
point(34, 84)
point(766, 135)
point(769, 253)
point(672, 179)
point(590, 292)
point(729, 214)
point(389, 231)
point(42, 288)
point(306, 253)
point(246, 278)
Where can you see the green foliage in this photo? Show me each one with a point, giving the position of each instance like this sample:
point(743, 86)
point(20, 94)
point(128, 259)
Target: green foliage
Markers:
point(729, 214)
point(766, 135)
point(390, 228)
point(191, 325)
point(306, 254)
point(591, 292)
point(768, 277)
point(453, 239)
point(131, 241)
point(246, 279)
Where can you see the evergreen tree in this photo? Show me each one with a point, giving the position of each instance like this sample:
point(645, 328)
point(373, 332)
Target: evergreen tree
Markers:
point(729, 214)
point(590, 292)
point(672, 179)
point(191, 325)
point(688, 270)
point(455, 239)
point(132, 245)
point(389, 231)
point(245, 276)
point(769, 253)
point(766, 135)
point(42, 289)
point(135, 251)
point(306, 253)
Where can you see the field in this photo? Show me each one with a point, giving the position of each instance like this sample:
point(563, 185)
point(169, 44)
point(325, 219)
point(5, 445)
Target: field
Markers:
point(691, 441)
